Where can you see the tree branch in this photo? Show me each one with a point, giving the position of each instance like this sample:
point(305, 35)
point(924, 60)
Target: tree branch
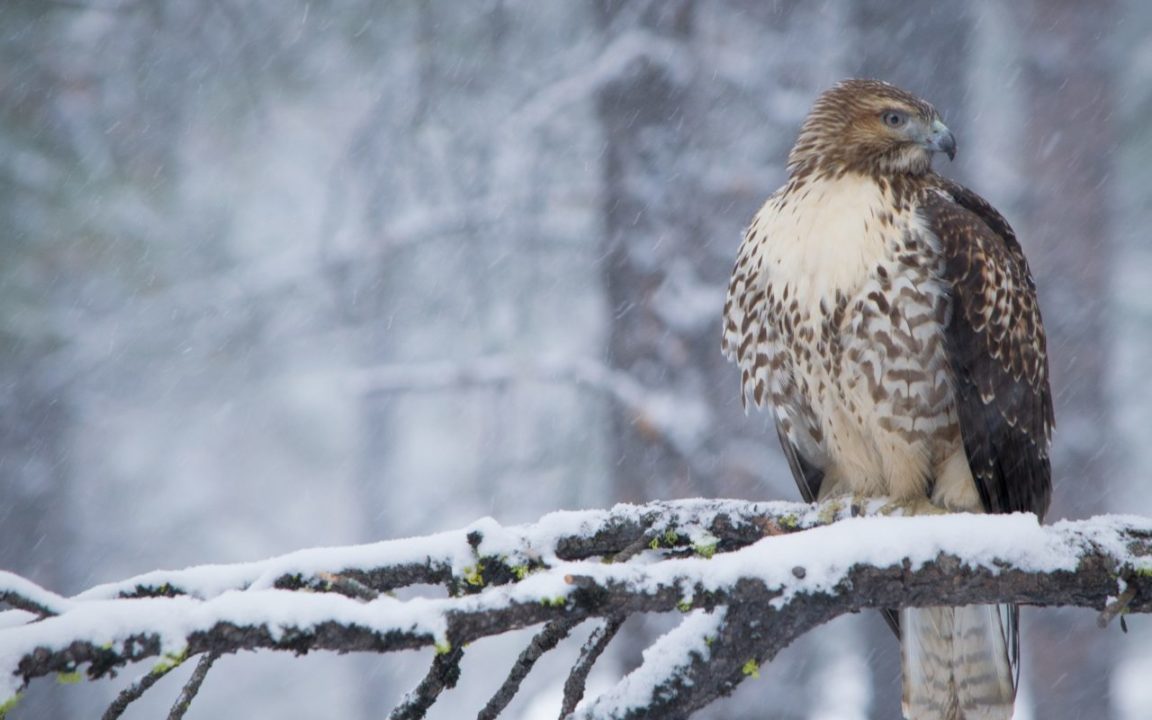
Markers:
point(192, 687)
point(26, 595)
point(593, 648)
point(136, 690)
point(760, 581)
point(443, 674)
point(486, 553)
point(544, 641)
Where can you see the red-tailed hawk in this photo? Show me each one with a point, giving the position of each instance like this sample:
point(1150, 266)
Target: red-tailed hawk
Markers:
point(888, 318)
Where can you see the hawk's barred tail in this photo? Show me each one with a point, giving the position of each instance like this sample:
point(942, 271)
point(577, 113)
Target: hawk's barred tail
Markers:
point(956, 664)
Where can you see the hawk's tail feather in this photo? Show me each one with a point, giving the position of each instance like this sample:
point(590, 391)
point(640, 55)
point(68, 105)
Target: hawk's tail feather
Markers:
point(956, 664)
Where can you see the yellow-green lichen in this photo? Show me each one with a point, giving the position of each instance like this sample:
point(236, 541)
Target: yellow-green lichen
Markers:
point(474, 575)
point(558, 601)
point(169, 661)
point(443, 648)
point(751, 669)
point(69, 678)
point(684, 606)
point(521, 571)
point(8, 705)
point(669, 538)
point(789, 522)
point(705, 550)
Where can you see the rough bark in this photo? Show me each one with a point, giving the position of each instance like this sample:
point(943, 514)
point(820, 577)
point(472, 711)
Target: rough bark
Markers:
point(1101, 564)
point(645, 126)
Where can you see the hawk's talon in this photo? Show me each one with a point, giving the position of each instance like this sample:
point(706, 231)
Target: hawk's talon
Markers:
point(841, 506)
point(912, 506)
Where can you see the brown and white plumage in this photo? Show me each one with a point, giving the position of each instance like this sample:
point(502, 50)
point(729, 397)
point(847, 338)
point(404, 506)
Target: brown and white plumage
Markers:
point(888, 318)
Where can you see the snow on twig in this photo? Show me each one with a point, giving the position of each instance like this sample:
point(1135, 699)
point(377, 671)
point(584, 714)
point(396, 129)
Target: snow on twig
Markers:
point(593, 648)
point(23, 594)
point(443, 674)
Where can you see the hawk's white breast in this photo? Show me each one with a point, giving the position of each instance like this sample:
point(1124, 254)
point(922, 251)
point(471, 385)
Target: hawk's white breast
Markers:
point(835, 315)
point(824, 237)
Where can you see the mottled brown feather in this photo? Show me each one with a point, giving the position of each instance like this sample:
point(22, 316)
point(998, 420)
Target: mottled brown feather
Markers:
point(997, 348)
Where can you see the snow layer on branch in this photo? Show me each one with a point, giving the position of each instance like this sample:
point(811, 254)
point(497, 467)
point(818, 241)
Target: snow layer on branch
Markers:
point(241, 595)
point(828, 553)
point(664, 660)
point(50, 602)
point(111, 622)
point(451, 549)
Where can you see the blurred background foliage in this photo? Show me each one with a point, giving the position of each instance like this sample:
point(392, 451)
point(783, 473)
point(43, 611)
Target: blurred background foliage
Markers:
point(280, 273)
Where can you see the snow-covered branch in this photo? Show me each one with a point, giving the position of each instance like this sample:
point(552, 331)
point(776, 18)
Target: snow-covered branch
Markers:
point(750, 577)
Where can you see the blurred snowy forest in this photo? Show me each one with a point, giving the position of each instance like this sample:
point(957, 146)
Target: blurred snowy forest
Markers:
point(280, 274)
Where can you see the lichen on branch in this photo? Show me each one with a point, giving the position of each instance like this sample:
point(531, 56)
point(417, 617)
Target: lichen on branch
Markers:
point(750, 578)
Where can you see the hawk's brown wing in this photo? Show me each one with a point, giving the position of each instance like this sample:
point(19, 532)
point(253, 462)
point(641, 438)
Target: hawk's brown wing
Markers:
point(996, 347)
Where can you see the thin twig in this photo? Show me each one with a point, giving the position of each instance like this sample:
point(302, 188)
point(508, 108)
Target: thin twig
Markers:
point(594, 647)
point(23, 594)
point(1117, 606)
point(348, 587)
point(544, 641)
point(133, 692)
point(443, 674)
point(188, 693)
point(637, 546)
point(21, 602)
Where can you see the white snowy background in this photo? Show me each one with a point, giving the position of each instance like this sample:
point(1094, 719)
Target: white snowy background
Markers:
point(281, 274)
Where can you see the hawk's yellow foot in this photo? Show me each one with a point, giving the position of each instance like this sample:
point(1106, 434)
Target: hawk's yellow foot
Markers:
point(912, 506)
point(842, 506)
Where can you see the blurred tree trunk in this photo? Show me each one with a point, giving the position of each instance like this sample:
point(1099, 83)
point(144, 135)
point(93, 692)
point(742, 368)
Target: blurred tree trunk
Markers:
point(1067, 160)
point(35, 414)
point(474, 239)
point(649, 221)
point(370, 280)
point(931, 61)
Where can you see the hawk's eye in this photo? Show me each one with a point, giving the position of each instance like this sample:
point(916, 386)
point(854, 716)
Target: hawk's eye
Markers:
point(894, 118)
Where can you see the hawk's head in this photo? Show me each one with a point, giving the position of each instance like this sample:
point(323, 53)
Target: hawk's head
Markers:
point(871, 127)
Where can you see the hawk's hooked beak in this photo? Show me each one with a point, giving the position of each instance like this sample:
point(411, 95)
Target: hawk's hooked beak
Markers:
point(942, 140)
